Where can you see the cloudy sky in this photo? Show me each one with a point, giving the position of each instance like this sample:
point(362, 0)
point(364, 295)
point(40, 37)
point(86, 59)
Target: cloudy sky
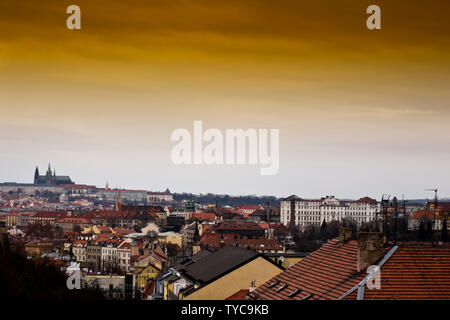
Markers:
point(360, 112)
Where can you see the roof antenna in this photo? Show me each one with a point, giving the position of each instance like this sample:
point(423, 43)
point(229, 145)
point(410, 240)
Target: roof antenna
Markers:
point(404, 219)
point(395, 205)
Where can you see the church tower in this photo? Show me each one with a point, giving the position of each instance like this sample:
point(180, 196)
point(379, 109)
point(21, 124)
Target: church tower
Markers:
point(118, 203)
point(196, 240)
point(48, 176)
point(36, 175)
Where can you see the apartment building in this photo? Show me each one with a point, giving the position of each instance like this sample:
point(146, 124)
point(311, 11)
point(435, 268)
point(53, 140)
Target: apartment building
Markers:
point(312, 213)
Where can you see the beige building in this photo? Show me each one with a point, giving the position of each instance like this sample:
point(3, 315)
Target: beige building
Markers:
point(216, 275)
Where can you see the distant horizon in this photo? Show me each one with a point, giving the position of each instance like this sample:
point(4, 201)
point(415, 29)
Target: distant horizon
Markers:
point(219, 193)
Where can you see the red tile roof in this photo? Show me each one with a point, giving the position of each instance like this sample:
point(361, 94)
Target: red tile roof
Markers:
point(421, 214)
point(122, 231)
point(414, 273)
point(238, 295)
point(281, 229)
point(125, 245)
point(244, 207)
point(203, 216)
point(325, 274)
point(108, 214)
point(102, 237)
point(366, 200)
point(80, 243)
point(159, 254)
point(134, 258)
point(74, 220)
point(237, 225)
point(50, 214)
point(217, 240)
point(104, 229)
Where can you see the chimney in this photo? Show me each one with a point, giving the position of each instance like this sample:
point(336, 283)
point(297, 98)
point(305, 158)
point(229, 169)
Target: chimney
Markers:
point(370, 249)
point(345, 233)
point(252, 286)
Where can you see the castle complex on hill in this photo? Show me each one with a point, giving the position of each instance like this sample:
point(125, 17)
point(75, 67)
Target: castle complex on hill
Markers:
point(51, 178)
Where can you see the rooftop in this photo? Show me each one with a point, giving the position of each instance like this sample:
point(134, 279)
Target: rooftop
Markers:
point(325, 274)
point(217, 263)
point(413, 273)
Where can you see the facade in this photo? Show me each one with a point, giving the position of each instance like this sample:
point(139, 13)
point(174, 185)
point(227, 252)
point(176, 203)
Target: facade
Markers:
point(259, 244)
point(109, 257)
point(77, 190)
point(68, 224)
point(243, 228)
point(114, 219)
point(312, 213)
point(79, 250)
point(159, 197)
point(132, 196)
point(145, 274)
point(36, 248)
point(423, 216)
point(170, 237)
point(94, 255)
point(441, 208)
point(12, 219)
point(29, 188)
point(124, 256)
point(49, 217)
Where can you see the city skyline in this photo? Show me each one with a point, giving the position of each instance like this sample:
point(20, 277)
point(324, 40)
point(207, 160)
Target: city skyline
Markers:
point(360, 112)
point(427, 192)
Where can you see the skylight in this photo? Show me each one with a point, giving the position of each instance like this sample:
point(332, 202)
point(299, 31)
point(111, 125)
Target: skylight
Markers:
point(273, 284)
point(294, 293)
point(282, 287)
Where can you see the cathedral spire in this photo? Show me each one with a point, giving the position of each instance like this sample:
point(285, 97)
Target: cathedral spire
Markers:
point(36, 175)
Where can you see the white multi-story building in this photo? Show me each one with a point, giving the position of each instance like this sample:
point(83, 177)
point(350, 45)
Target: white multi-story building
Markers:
point(109, 255)
point(79, 250)
point(124, 255)
point(312, 213)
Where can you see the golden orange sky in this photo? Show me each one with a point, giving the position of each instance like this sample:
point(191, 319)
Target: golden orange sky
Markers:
point(360, 112)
